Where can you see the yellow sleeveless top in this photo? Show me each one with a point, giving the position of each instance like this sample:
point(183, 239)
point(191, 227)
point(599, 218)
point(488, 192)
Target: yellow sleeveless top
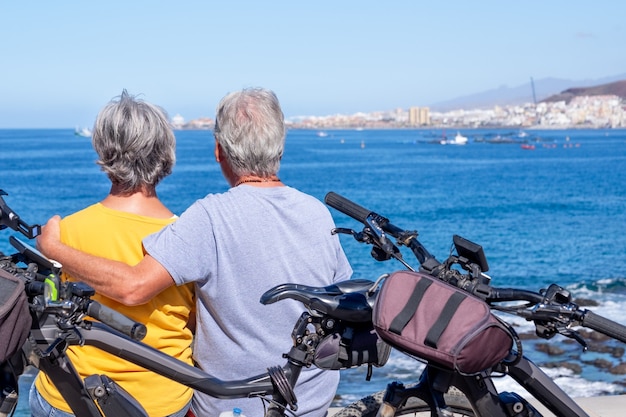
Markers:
point(117, 235)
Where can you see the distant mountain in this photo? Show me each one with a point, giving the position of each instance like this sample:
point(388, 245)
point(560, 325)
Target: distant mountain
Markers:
point(544, 89)
point(617, 88)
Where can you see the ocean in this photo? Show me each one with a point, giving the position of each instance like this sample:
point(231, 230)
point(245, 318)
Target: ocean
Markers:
point(555, 213)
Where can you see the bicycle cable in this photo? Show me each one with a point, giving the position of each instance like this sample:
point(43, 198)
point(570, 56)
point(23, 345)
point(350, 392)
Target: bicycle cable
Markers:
point(279, 379)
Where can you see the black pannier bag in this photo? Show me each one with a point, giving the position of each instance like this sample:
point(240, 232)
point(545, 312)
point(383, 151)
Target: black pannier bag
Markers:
point(438, 322)
point(15, 319)
point(353, 346)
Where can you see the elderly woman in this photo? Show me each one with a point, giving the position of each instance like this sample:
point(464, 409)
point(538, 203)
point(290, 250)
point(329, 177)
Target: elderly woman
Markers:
point(136, 149)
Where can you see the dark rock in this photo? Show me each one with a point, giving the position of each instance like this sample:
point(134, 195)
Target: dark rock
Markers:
point(597, 336)
point(549, 348)
point(574, 367)
point(619, 369)
point(528, 336)
point(600, 363)
point(615, 351)
point(622, 383)
point(585, 302)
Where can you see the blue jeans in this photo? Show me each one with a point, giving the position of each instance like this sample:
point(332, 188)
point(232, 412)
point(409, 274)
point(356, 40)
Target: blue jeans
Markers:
point(39, 407)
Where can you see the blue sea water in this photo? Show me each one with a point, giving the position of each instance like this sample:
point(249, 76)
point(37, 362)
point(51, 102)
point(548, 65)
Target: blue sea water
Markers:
point(553, 214)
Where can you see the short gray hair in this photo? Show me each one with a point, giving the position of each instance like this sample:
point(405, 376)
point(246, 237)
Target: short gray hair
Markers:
point(135, 142)
point(250, 128)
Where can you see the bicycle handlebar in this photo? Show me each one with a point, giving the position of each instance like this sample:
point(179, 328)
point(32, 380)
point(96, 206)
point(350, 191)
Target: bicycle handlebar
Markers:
point(513, 294)
point(567, 313)
point(347, 207)
point(374, 220)
point(361, 214)
point(116, 320)
point(76, 297)
point(605, 326)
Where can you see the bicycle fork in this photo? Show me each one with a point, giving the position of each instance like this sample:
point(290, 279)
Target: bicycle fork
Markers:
point(479, 391)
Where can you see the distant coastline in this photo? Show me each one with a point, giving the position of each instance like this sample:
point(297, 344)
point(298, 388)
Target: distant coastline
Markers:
point(575, 108)
point(581, 112)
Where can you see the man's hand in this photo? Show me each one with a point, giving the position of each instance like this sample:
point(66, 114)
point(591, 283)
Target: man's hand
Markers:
point(50, 236)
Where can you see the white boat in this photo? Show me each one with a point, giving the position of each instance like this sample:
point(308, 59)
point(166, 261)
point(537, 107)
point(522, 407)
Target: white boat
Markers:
point(322, 134)
point(458, 140)
point(82, 131)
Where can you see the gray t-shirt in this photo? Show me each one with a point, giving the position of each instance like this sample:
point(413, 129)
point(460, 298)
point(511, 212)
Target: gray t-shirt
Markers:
point(235, 246)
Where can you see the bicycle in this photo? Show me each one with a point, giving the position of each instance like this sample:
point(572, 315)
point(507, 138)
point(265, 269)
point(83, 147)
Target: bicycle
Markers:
point(441, 391)
point(63, 314)
point(336, 332)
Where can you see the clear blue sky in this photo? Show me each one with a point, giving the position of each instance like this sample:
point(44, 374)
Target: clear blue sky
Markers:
point(61, 61)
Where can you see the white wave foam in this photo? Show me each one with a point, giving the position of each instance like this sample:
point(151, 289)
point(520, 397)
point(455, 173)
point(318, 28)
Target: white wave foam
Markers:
point(574, 385)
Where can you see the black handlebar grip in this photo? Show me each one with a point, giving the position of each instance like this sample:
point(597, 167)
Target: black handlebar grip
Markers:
point(116, 320)
point(604, 326)
point(347, 207)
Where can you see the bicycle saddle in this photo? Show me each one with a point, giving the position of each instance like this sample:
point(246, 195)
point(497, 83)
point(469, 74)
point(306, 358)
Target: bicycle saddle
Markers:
point(350, 300)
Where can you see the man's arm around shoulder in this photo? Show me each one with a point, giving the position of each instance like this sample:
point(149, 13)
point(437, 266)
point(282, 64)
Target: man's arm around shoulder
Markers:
point(129, 285)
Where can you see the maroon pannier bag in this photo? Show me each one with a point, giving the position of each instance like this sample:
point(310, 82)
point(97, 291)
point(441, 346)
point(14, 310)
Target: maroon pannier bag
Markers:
point(433, 320)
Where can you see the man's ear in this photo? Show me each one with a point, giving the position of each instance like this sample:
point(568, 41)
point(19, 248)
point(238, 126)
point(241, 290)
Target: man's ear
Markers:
point(218, 152)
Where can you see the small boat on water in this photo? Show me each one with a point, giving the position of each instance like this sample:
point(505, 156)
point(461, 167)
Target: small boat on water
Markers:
point(528, 146)
point(83, 132)
point(458, 140)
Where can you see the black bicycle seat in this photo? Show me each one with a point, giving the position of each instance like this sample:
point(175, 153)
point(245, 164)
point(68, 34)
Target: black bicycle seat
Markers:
point(350, 300)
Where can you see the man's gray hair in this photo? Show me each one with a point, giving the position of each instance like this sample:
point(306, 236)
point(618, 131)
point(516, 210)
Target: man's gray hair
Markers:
point(250, 128)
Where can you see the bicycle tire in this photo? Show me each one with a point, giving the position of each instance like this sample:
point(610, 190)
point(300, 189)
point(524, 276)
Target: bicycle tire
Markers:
point(368, 406)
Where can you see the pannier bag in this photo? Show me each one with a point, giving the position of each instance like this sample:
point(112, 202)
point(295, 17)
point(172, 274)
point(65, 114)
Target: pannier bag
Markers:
point(433, 320)
point(15, 319)
point(355, 346)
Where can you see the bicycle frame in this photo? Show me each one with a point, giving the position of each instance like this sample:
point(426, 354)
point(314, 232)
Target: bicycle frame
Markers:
point(112, 399)
point(543, 388)
point(482, 394)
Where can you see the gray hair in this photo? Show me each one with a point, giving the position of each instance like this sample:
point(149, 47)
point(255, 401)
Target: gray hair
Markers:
point(135, 143)
point(250, 128)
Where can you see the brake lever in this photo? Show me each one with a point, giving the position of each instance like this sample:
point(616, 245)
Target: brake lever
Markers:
point(358, 236)
point(378, 252)
point(372, 234)
point(342, 231)
point(380, 237)
point(573, 334)
point(384, 246)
